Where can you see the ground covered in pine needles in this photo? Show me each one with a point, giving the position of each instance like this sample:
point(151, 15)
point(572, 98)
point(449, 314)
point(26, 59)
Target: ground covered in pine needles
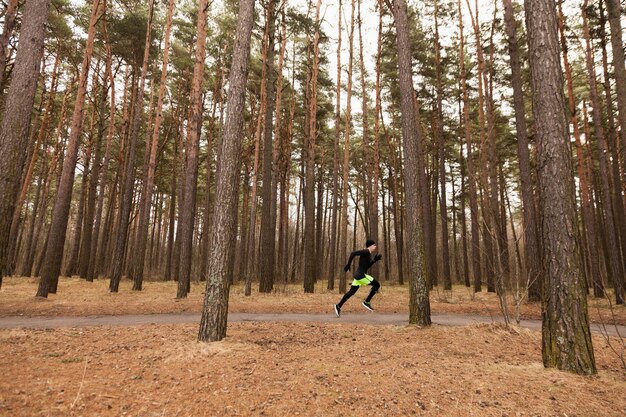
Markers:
point(297, 369)
point(76, 297)
point(286, 368)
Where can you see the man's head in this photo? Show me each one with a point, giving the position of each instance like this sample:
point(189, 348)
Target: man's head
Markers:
point(370, 245)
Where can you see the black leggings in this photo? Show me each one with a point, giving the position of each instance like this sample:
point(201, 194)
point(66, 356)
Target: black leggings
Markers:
point(354, 288)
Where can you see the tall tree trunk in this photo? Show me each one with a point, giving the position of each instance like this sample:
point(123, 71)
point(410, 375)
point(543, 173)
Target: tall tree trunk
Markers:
point(146, 197)
point(471, 172)
point(531, 243)
point(333, 268)
point(619, 67)
point(614, 255)
point(439, 135)
point(27, 181)
point(566, 338)
point(419, 303)
point(127, 193)
point(60, 214)
point(16, 123)
point(92, 198)
point(215, 310)
point(267, 238)
point(343, 236)
point(310, 259)
point(188, 212)
point(103, 174)
point(371, 177)
point(9, 23)
point(613, 140)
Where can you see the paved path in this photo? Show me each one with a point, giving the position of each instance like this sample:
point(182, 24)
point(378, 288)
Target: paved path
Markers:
point(182, 318)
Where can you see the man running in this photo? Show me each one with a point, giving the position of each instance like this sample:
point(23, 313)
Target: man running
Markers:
point(360, 276)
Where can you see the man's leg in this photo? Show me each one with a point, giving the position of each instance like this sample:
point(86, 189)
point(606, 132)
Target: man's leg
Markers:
point(375, 286)
point(353, 289)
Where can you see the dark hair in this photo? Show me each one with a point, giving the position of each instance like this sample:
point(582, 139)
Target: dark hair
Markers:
point(369, 243)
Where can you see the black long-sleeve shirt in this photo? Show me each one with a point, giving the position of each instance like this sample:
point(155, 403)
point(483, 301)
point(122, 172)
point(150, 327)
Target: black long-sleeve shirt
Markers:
point(365, 262)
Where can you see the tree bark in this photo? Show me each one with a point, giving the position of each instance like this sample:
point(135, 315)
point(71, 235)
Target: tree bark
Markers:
point(215, 310)
point(310, 259)
point(471, 179)
point(619, 66)
point(188, 211)
point(267, 238)
point(419, 303)
point(9, 23)
point(333, 266)
point(60, 214)
point(439, 135)
point(614, 255)
point(127, 193)
point(566, 338)
point(146, 198)
point(531, 244)
point(343, 236)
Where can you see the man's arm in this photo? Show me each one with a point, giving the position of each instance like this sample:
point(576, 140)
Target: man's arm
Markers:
point(352, 256)
point(376, 259)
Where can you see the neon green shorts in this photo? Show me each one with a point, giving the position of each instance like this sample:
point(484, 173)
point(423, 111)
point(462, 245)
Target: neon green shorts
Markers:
point(367, 280)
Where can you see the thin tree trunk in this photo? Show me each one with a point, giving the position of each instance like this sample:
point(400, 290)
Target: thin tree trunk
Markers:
point(215, 310)
point(267, 239)
point(187, 214)
point(60, 215)
point(613, 141)
point(614, 255)
point(619, 68)
point(333, 268)
point(146, 197)
point(475, 229)
point(371, 171)
point(310, 259)
point(439, 135)
point(531, 242)
point(127, 188)
point(343, 235)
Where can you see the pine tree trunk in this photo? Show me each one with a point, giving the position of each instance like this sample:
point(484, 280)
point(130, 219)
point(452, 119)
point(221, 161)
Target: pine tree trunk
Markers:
point(439, 135)
point(16, 123)
point(103, 174)
point(310, 258)
point(471, 172)
point(250, 265)
point(566, 338)
point(267, 239)
point(333, 265)
point(215, 310)
point(619, 67)
point(60, 214)
point(343, 236)
point(121, 239)
point(614, 254)
point(9, 23)
point(531, 247)
point(371, 183)
point(85, 250)
point(146, 197)
point(188, 211)
point(613, 141)
point(419, 303)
